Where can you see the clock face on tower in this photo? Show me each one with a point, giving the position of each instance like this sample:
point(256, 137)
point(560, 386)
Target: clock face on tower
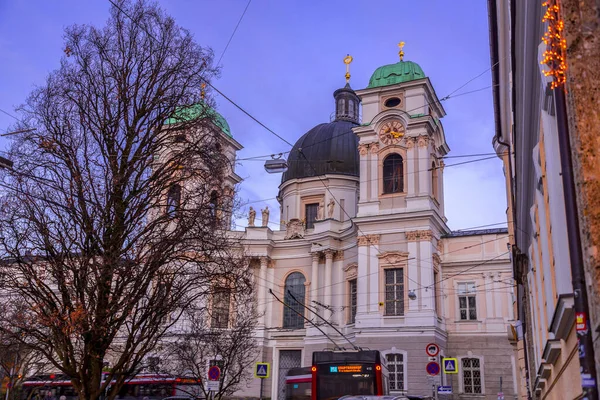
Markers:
point(391, 132)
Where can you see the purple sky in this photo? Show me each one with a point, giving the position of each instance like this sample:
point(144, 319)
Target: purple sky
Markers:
point(283, 65)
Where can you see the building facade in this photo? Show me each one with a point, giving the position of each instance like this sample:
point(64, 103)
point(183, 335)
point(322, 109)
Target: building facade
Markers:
point(528, 123)
point(364, 243)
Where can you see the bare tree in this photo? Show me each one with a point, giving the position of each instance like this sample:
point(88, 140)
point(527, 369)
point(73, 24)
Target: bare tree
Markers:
point(221, 334)
point(109, 230)
point(16, 362)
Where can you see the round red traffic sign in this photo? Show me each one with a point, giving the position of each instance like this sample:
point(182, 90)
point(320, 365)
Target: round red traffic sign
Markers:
point(432, 349)
point(433, 368)
point(214, 373)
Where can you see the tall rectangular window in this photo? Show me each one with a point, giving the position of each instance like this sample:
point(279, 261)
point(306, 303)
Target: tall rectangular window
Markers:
point(395, 364)
point(394, 291)
point(471, 369)
point(220, 308)
point(352, 290)
point(311, 212)
point(467, 302)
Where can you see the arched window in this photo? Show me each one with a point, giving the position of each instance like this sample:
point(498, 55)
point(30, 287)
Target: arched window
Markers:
point(295, 284)
point(173, 199)
point(214, 203)
point(434, 180)
point(393, 174)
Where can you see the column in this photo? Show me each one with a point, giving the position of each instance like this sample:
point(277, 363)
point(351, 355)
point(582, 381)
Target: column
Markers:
point(411, 166)
point(327, 293)
point(426, 278)
point(364, 175)
point(413, 256)
point(374, 274)
point(314, 280)
point(441, 187)
point(262, 290)
point(424, 165)
point(497, 295)
point(489, 301)
point(361, 279)
point(373, 176)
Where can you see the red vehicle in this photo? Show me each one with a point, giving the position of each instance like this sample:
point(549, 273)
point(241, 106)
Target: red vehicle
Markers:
point(152, 386)
point(340, 373)
point(298, 383)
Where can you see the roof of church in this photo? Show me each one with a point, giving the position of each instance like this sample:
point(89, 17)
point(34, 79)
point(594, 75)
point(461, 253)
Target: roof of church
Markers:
point(203, 111)
point(330, 148)
point(474, 232)
point(391, 74)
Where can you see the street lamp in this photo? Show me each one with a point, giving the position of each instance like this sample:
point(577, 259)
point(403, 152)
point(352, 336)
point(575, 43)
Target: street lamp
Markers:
point(276, 165)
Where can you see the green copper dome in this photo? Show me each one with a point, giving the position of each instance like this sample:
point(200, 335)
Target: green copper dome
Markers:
point(403, 71)
point(203, 111)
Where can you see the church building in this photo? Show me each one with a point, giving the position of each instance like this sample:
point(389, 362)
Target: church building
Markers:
point(364, 242)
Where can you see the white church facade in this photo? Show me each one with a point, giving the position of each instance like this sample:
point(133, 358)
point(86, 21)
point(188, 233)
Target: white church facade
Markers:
point(363, 243)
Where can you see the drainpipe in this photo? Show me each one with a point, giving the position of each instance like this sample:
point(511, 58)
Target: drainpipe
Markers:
point(584, 335)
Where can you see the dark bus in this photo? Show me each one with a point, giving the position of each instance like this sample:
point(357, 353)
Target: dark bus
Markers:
point(340, 373)
point(298, 384)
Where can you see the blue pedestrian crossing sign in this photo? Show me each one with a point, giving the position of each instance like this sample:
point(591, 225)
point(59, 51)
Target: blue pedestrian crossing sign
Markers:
point(450, 365)
point(261, 370)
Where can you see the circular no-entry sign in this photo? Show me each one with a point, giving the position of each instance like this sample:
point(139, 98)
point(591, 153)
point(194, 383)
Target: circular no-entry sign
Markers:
point(433, 368)
point(214, 373)
point(432, 349)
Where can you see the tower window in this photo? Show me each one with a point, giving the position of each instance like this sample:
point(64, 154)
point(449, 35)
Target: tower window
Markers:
point(392, 102)
point(393, 174)
point(214, 204)
point(173, 199)
point(311, 212)
point(294, 284)
point(434, 181)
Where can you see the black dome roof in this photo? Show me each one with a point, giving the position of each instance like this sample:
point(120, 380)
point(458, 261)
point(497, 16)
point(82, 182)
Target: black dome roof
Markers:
point(330, 148)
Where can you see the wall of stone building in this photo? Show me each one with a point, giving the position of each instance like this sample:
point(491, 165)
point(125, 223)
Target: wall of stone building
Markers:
point(252, 389)
point(417, 382)
point(498, 360)
point(564, 380)
point(582, 30)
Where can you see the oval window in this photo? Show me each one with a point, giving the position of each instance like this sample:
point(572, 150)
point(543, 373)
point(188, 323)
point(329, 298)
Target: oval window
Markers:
point(392, 102)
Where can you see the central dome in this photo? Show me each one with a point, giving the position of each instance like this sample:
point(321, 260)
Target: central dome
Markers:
point(330, 148)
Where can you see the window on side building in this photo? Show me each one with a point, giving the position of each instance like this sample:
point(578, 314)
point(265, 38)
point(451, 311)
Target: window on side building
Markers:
point(471, 375)
point(467, 302)
point(395, 362)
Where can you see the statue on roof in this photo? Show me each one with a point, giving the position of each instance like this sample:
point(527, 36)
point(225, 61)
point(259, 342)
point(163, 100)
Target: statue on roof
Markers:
point(251, 216)
point(265, 216)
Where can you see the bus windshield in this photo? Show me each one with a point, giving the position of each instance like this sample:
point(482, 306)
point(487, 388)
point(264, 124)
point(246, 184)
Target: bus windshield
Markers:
point(340, 380)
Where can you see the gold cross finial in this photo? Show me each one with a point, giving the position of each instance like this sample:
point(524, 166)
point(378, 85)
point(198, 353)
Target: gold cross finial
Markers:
point(401, 52)
point(347, 60)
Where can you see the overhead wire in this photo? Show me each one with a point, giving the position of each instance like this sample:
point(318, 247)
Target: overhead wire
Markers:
point(233, 33)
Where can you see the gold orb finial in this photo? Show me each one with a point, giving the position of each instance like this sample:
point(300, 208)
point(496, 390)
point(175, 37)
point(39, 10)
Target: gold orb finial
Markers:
point(401, 52)
point(347, 60)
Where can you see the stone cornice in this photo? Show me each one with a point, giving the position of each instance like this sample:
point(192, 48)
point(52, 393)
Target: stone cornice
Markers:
point(413, 236)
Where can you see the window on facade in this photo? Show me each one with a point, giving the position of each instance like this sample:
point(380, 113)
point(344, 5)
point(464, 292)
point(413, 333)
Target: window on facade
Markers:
point(394, 291)
point(352, 290)
point(294, 283)
point(221, 302)
point(213, 204)
point(395, 364)
point(466, 301)
point(311, 213)
point(393, 174)
point(471, 369)
point(173, 199)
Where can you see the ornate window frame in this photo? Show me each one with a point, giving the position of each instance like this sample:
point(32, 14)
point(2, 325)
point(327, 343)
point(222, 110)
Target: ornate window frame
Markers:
point(350, 274)
point(382, 154)
point(393, 260)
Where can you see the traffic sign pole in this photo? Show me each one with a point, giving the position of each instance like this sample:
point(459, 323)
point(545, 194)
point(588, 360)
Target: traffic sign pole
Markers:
point(261, 388)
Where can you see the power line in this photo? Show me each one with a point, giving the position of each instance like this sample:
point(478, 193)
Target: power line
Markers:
point(10, 115)
point(233, 33)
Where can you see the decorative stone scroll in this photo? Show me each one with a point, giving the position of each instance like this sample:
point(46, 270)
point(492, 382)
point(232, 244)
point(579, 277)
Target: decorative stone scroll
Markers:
point(436, 261)
point(351, 271)
point(393, 257)
point(374, 147)
point(442, 165)
point(363, 149)
point(368, 240)
point(413, 236)
point(294, 229)
point(423, 141)
point(440, 246)
point(410, 142)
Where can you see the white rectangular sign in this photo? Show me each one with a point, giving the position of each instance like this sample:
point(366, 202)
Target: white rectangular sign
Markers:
point(212, 386)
